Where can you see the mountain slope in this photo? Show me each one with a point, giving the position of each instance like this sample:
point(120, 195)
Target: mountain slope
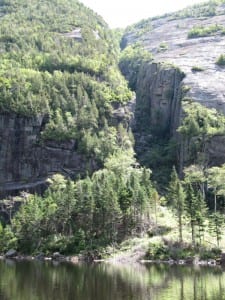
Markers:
point(59, 86)
point(191, 40)
point(167, 39)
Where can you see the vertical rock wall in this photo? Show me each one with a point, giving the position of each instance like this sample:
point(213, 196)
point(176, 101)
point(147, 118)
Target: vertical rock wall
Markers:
point(26, 162)
point(159, 97)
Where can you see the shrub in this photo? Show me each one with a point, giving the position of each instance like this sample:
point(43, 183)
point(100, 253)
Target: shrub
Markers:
point(158, 251)
point(210, 253)
point(7, 239)
point(200, 31)
point(163, 47)
point(174, 250)
point(221, 60)
point(197, 69)
point(159, 230)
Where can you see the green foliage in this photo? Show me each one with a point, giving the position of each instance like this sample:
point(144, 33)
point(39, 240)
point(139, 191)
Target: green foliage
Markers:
point(197, 69)
point(157, 251)
point(8, 239)
point(221, 60)
point(139, 29)
point(132, 58)
point(172, 250)
point(201, 121)
point(159, 230)
point(65, 69)
point(198, 208)
point(201, 31)
point(176, 197)
point(215, 181)
point(196, 211)
point(87, 213)
point(198, 127)
point(217, 226)
point(207, 9)
point(60, 127)
point(163, 47)
point(41, 44)
point(213, 253)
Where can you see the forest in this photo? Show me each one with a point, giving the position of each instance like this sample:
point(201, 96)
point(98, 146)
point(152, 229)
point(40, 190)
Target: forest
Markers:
point(72, 71)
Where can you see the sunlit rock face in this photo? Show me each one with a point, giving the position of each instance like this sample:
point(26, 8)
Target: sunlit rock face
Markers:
point(167, 39)
point(160, 90)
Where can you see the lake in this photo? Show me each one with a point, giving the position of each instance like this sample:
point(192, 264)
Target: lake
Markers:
point(47, 281)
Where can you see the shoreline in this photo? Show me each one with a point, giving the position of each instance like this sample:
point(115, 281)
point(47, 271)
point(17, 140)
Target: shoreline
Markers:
point(76, 259)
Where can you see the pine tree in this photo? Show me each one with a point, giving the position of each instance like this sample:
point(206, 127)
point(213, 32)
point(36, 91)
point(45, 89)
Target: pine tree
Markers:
point(201, 216)
point(216, 226)
point(216, 181)
point(176, 197)
point(192, 209)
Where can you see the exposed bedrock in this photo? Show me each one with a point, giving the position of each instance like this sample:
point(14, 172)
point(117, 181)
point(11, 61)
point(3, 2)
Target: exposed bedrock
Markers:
point(26, 162)
point(159, 97)
point(159, 90)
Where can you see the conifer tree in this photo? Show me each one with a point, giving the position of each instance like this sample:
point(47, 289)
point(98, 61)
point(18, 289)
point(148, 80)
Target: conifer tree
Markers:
point(192, 209)
point(216, 226)
point(176, 197)
point(201, 216)
point(216, 181)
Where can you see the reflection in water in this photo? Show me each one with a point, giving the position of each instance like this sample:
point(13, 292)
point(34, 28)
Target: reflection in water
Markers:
point(48, 281)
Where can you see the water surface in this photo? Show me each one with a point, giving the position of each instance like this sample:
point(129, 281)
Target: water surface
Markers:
point(53, 281)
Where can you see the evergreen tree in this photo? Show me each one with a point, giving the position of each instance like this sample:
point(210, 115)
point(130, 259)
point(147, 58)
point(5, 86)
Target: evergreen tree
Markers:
point(216, 181)
point(201, 216)
point(216, 225)
point(196, 211)
point(176, 197)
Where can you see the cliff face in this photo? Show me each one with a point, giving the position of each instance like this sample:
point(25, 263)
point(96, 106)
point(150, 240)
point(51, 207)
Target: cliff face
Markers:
point(167, 39)
point(159, 96)
point(207, 86)
point(61, 92)
point(25, 162)
point(160, 90)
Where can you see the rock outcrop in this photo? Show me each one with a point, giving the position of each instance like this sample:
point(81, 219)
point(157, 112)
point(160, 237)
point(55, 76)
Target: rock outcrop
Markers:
point(11, 253)
point(159, 92)
point(167, 39)
point(26, 162)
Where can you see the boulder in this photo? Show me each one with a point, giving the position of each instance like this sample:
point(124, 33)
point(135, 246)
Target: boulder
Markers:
point(40, 256)
point(11, 253)
point(211, 262)
point(58, 256)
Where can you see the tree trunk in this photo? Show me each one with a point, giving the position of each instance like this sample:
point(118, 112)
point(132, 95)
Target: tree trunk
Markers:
point(180, 229)
point(193, 232)
point(215, 203)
